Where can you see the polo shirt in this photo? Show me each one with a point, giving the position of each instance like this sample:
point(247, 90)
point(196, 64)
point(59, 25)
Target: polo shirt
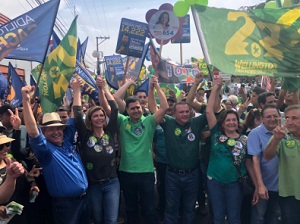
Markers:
point(288, 152)
point(258, 139)
point(62, 167)
point(136, 144)
point(182, 142)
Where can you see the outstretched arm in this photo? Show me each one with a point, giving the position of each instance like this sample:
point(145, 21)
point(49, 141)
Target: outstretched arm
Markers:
point(120, 94)
point(159, 114)
point(151, 98)
point(190, 99)
point(30, 123)
point(210, 115)
point(13, 170)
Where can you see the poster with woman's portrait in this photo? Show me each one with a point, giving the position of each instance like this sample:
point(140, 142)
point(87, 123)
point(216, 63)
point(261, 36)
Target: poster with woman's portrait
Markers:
point(163, 25)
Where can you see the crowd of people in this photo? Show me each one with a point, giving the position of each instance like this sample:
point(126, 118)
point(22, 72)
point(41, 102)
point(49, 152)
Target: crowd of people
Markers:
point(195, 150)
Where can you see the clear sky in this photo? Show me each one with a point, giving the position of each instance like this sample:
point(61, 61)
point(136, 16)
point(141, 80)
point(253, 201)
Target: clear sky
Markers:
point(103, 17)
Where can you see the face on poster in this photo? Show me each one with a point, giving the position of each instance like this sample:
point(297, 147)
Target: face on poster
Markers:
point(186, 36)
point(115, 70)
point(163, 25)
point(132, 37)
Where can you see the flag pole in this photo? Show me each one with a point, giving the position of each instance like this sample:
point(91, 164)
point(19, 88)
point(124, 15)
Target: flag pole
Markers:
point(202, 40)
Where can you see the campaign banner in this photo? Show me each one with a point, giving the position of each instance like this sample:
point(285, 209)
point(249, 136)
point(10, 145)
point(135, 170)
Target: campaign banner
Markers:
point(186, 28)
point(114, 70)
point(132, 37)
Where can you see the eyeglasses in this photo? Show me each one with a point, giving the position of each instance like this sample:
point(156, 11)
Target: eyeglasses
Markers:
point(271, 116)
point(5, 144)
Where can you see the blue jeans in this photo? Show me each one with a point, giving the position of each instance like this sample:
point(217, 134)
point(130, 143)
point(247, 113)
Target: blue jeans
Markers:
point(226, 199)
point(290, 210)
point(104, 201)
point(139, 186)
point(185, 187)
point(266, 211)
point(70, 211)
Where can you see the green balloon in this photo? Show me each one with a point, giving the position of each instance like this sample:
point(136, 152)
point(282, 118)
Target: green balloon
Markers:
point(202, 2)
point(181, 8)
point(191, 2)
point(271, 5)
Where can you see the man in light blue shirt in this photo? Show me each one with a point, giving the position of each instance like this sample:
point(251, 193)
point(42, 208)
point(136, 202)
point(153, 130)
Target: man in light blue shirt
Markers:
point(266, 172)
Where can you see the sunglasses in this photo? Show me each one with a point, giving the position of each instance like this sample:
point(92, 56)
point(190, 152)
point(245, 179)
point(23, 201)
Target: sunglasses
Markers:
point(6, 144)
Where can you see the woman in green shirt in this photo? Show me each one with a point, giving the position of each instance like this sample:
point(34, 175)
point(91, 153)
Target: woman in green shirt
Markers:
point(228, 147)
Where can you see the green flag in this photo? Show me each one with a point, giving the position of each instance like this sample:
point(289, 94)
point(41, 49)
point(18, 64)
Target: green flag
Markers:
point(58, 70)
point(262, 42)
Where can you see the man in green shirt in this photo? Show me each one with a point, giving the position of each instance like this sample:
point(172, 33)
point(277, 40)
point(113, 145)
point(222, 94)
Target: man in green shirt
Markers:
point(286, 146)
point(136, 165)
point(182, 136)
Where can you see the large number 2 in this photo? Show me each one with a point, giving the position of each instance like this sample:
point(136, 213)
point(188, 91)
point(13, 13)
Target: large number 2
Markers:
point(236, 45)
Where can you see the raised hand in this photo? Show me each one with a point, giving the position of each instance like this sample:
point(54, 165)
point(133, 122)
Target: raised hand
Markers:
point(27, 92)
point(14, 169)
point(101, 82)
point(198, 78)
point(76, 84)
point(279, 131)
point(15, 120)
point(33, 173)
point(131, 80)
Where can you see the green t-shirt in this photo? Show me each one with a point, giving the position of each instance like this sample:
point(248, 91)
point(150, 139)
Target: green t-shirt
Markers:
point(289, 166)
point(136, 144)
point(221, 167)
point(182, 142)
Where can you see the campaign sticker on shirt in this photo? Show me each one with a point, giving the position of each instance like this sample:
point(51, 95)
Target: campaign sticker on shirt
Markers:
point(89, 166)
point(177, 131)
point(105, 140)
point(290, 143)
point(98, 148)
point(236, 152)
point(231, 142)
point(188, 130)
point(128, 126)
point(109, 149)
point(238, 145)
point(91, 142)
point(223, 138)
point(137, 131)
point(191, 137)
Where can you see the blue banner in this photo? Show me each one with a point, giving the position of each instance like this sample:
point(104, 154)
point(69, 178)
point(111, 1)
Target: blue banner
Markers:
point(15, 84)
point(132, 37)
point(33, 83)
point(114, 71)
point(186, 28)
point(27, 36)
point(89, 86)
point(3, 87)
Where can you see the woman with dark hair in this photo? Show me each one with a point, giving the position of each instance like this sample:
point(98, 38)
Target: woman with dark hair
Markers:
point(227, 160)
point(252, 120)
point(97, 150)
point(163, 21)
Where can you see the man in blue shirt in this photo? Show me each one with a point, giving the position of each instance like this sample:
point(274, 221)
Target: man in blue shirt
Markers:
point(266, 210)
point(62, 167)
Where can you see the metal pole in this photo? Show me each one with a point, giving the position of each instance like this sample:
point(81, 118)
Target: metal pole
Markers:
point(98, 61)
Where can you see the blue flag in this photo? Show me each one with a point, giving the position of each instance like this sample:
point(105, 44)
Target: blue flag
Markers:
point(89, 86)
point(33, 83)
point(3, 87)
point(78, 55)
point(27, 36)
point(144, 86)
point(83, 47)
point(15, 84)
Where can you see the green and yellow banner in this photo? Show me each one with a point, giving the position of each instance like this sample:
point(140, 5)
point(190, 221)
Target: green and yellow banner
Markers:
point(59, 67)
point(261, 42)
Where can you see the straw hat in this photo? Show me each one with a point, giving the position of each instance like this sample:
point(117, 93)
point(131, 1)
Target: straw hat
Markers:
point(51, 120)
point(4, 139)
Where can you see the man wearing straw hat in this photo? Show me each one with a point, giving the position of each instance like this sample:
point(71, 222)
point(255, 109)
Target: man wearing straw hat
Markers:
point(63, 171)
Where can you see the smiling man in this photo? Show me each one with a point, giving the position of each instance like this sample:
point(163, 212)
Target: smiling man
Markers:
point(62, 167)
point(136, 165)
